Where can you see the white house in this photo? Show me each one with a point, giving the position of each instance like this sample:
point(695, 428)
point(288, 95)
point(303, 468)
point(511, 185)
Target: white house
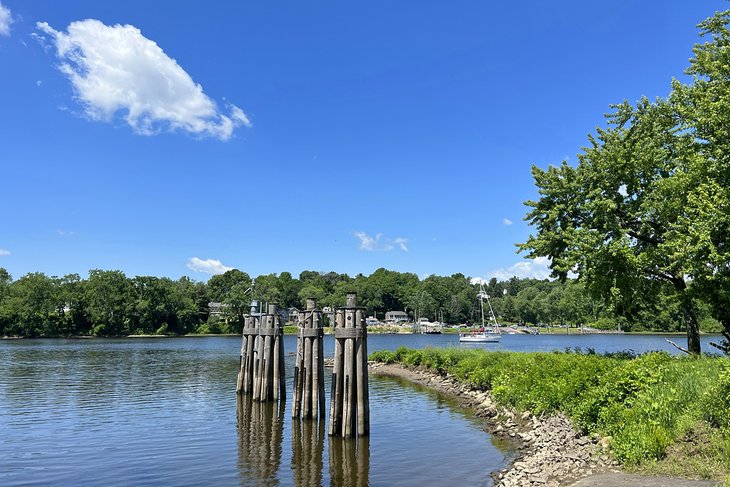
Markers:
point(396, 317)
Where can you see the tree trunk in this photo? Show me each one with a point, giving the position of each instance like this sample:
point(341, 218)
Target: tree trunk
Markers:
point(690, 318)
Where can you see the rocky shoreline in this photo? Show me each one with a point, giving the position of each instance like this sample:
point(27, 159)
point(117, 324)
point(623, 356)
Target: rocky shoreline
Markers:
point(549, 450)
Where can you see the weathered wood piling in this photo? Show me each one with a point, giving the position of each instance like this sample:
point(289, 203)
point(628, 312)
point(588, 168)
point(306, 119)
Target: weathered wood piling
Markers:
point(309, 400)
point(349, 401)
point(261, 363)
point(268, 380)
point(249, 348)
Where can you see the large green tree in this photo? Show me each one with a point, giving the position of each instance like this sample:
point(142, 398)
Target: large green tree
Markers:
point(109, 298)
point(32, 306)
point(612, 219)
point(649, 201)
point(703, 108)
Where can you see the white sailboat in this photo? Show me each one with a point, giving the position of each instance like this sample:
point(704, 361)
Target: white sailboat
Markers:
point(486, 334)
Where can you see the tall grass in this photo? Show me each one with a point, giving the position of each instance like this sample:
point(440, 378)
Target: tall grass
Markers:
point(644, 403)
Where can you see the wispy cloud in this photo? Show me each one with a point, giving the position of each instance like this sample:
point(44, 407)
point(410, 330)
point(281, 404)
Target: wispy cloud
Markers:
point(6, 19)
point(379, 243)
point(507, 221)
point(208, 266)
point(402, 243)
point(115, 70)
point(4, 252)
point(65, 233)
point(529, 268)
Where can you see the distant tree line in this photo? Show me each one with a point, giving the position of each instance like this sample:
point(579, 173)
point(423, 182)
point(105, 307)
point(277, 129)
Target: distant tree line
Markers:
point(108, 303)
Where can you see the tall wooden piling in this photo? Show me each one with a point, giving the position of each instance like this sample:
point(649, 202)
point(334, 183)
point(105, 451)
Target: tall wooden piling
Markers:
point(349, 399)
point(268, 362)
point(309, 400)
point(249, 350)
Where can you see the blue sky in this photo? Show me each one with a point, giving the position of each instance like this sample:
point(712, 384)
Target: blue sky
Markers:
point(177, 138)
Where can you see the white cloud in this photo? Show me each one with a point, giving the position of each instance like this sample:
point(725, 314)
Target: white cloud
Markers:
point(478, 280)
point(4, 252)
point(115, 70)
point(65, 233)
point(5, 20)
point(380, 243)
point(209, 266)
point(507, 221)
point(402, 243)
point(529, 268)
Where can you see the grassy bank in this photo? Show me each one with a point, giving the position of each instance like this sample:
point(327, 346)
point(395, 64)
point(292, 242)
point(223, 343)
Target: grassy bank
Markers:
point(662, 413)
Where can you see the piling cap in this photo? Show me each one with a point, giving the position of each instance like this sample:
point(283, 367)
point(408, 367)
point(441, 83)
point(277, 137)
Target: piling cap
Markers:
point(311, 303)
point(351, 300)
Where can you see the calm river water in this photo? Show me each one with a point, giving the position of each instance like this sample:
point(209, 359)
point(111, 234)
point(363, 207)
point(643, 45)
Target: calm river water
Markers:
point(163, 412)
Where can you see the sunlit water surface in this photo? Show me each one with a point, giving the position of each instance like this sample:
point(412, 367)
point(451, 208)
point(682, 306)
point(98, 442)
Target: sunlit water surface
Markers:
point(163, 411)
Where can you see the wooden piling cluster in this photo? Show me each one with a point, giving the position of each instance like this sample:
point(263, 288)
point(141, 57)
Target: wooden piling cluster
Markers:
point(261, 371)
point(249, 350)
point(309, 400)
point(349, 401)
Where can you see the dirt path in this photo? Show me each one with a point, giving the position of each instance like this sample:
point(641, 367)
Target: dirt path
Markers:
point(630, 480)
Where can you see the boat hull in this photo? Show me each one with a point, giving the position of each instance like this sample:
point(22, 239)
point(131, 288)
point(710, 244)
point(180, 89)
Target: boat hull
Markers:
point(479, 338)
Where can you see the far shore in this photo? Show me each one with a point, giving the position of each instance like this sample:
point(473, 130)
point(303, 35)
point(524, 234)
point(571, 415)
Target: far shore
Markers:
point(573, 332)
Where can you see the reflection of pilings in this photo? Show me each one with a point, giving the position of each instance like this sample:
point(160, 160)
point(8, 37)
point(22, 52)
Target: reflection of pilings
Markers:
point(260, 437)
point(349, 462)
point(309, 368)
point(307, 451)
point(349, 399)
point(247, 360)
point(268, 380)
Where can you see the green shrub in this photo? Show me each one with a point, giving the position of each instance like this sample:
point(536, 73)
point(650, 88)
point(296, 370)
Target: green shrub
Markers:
point(383, 356)
point(716, 400)
point(616, 390)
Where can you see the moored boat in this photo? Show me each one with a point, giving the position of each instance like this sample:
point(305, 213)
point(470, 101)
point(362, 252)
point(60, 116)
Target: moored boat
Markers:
point(484, 334)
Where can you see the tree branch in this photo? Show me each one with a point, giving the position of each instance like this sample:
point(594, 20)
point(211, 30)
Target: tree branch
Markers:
point(678, 347)
point(644, 238)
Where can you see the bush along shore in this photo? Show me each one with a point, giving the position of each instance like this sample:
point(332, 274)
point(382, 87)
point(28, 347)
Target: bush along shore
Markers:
point(576, 413)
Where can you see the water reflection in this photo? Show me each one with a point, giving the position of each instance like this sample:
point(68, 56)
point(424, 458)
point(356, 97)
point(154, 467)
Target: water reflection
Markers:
point(260, 437)
point(349, 461)
point(307, 441)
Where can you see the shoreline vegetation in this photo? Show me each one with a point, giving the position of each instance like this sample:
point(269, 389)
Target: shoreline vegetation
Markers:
point(651, 414)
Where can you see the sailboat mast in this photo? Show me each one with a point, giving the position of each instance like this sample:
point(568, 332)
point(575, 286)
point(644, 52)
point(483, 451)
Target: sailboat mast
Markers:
point(481, 304)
